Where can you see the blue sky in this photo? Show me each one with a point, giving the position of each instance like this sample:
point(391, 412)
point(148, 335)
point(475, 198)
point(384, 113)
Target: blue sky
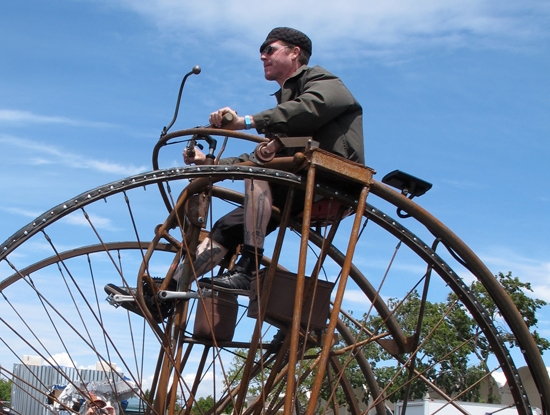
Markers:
point(455, 92)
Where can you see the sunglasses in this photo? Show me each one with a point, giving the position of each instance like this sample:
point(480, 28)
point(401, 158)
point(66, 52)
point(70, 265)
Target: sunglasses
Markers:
point(270, 50)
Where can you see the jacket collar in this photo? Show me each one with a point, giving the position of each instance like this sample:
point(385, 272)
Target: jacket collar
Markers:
point(296, 74)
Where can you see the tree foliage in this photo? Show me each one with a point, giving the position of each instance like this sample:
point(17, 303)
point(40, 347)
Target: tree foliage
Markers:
point(454, 353)
point(5, 389)
point(202, 405)
point(525, 303)
point(445, 327)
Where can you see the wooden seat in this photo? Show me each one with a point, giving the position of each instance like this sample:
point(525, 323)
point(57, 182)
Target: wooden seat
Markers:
point(324, 211)
point(336, 171)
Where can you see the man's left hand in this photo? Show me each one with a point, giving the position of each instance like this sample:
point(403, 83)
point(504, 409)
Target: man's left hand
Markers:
point(198, 158)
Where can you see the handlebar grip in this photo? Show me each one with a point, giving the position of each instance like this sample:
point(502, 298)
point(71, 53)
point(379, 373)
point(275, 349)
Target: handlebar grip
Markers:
point(227, 118)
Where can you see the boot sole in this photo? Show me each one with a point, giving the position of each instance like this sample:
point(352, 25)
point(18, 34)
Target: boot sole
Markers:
point(214, 287)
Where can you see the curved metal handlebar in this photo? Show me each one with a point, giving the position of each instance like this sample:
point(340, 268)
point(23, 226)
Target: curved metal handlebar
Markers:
point(196, 132)
point(195, 71)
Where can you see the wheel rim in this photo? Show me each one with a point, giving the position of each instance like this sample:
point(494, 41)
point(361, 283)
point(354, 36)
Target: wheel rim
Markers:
point(119, 255)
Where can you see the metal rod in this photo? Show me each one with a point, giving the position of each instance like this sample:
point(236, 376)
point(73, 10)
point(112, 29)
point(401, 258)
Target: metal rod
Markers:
point(298, 300)
point(337, 302)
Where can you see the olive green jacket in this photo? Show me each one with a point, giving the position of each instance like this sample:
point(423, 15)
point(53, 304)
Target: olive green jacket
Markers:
point(315, 103)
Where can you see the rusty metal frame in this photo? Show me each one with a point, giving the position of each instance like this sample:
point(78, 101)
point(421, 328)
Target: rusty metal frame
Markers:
point(273, 173)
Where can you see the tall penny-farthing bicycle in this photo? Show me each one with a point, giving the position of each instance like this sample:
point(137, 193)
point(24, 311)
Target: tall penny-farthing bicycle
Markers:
point(324, 325)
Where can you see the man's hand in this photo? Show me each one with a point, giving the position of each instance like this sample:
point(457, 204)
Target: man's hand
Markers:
point(216, 119)
point(198, 158)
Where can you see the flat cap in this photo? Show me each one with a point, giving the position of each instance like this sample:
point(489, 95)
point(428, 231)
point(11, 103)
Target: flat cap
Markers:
point(287, 34)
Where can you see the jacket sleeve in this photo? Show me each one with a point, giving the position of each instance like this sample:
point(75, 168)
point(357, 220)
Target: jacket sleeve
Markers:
point(235, 160)
point(322, 98)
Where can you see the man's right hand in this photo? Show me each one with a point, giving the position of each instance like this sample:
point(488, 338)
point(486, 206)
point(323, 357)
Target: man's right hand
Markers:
point(216, 119)
point(197, 158)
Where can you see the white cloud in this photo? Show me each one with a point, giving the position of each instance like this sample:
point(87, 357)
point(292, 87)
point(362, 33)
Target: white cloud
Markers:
point(98, 221)
point(364, 24)
point(38, 153)
point(62, 359)
point(355, 296)
point(535, 271)
point(21, 212)
point(206, 387)
point(15, 116)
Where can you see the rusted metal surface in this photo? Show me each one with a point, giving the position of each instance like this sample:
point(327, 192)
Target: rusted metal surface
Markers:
point(298, 299)
point(339, 167)
point(317, 173)
point(337, 303)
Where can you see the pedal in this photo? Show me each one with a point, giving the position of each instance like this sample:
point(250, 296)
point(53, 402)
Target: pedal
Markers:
point(112, 301)
point(116, 299)
point(178, 295)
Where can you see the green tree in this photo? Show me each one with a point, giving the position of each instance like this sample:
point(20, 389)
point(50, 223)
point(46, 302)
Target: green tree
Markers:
point(454, 353)
point(458, 331)
point(528, 306)
point(525, 303)
point(445, 326)
point(202, 405)
point(255, 385)
point(5, 389)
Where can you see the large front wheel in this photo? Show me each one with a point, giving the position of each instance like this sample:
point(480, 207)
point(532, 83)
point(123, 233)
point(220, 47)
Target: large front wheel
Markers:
point(393, 337)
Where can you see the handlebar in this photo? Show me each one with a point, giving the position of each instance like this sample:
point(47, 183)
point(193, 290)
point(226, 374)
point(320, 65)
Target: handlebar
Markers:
point(227, 118)
point(190, 149)
point(198, 134)
point(195, 71)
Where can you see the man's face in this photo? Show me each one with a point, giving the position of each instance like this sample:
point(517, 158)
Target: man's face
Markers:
point(280, 61)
